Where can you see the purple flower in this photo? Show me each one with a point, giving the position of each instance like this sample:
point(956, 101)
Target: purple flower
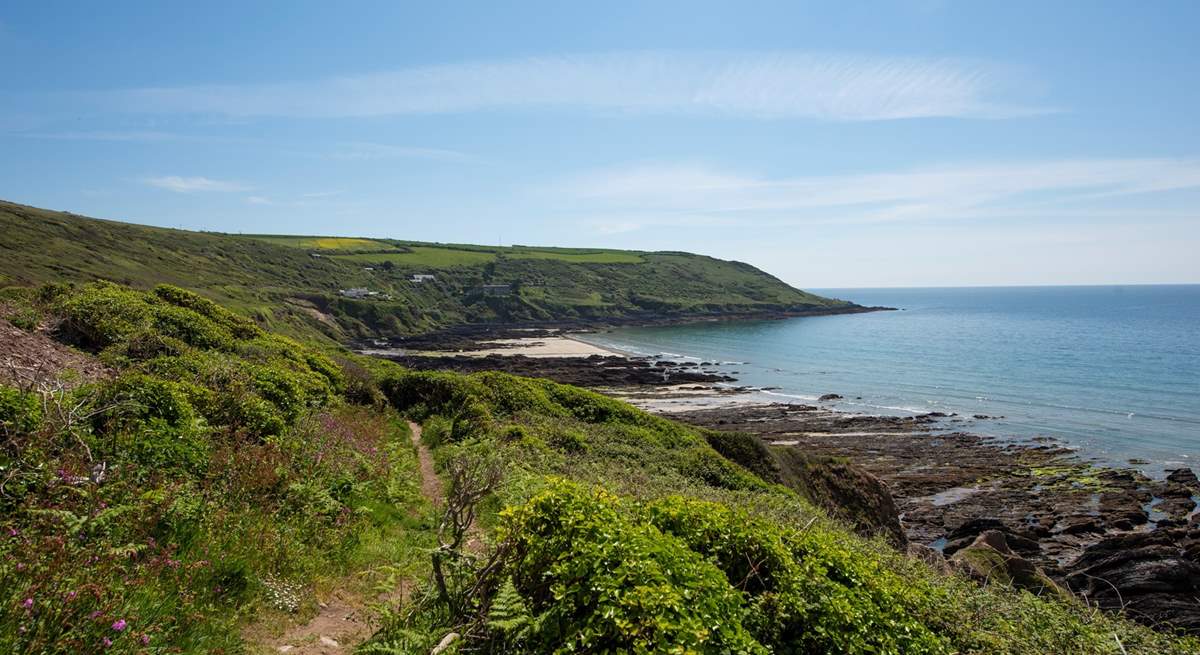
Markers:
point(107, 642)
point(27, 603)
point(145, 640)
point(119, 625)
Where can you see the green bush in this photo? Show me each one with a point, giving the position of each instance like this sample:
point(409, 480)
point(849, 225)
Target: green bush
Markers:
point(240, 327)
point(152, 422)
point(20, 412)
point(191, 328)
point(598, 580)
point(810, 590)
point(101, 314)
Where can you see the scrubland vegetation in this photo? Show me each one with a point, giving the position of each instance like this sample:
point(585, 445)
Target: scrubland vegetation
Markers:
point(209, 476)
point(290, 284)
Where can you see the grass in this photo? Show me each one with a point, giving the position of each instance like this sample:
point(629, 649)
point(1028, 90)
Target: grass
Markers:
point(222, 472)
point(435, 257)
point(325, 243)
point(620, 531)
point(277, 281)
point(430, 257)
point(226, 473)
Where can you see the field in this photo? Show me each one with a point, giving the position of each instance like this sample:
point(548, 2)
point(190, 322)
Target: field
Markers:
point(276, 280)
point(424, 256)
point(325, 243)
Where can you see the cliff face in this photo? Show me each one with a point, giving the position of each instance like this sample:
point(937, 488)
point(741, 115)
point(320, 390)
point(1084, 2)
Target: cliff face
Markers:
point(844, 490)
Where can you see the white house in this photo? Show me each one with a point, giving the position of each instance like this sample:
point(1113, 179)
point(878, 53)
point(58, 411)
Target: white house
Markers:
point(356, 292)
point(422, 277)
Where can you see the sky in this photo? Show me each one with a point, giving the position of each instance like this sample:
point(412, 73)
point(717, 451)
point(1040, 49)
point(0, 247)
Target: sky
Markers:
point(848, 144)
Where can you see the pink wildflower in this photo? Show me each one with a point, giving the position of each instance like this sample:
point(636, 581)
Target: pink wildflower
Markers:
point(27, 603)
point(107, 642)
point(145, 640)
point(119, 625)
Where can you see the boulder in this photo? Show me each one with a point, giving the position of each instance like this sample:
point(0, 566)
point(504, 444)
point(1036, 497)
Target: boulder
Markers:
point(847, 491)
point(1183, 476)
point(989, 559)
point(1153, 575)
point(930, 556)
point(829, 396)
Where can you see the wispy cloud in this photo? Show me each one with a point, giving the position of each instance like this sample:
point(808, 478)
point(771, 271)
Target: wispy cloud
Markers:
point(756, 85)
point(180, 184)
point(303, 200)
point(678, 193)
point(104, 135)
point(360, 150)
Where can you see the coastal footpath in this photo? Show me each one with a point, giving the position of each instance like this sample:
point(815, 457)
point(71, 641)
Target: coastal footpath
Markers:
point(1031, 512)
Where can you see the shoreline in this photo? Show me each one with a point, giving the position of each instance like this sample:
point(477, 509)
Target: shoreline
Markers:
point(1057, 510)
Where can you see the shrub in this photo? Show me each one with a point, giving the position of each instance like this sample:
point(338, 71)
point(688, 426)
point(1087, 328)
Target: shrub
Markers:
point(103, 313)
point(239, 326)
point(20, 412)
point(599, 581)
point(810, 590)
point(151, 422)
point(190, 327)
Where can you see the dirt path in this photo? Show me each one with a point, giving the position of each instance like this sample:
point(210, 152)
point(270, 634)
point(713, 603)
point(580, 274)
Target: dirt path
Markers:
point(431, 484)
point(342, 622)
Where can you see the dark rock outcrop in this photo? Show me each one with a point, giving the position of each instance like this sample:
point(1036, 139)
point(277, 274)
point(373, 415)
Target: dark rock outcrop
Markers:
point(990, 559)
point(845, 490)
point(1154, 576)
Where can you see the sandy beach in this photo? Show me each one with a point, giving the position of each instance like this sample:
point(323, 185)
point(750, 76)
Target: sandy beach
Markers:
point(549, 346)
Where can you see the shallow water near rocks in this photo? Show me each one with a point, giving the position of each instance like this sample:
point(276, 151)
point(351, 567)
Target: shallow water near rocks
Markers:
point(1112, 371)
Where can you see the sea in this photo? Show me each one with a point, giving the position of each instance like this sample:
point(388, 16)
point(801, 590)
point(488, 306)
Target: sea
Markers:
point(1111, 371)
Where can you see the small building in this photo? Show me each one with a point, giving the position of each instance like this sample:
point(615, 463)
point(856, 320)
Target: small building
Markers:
point(421, 277)
point(356, 292)
point(496, 289)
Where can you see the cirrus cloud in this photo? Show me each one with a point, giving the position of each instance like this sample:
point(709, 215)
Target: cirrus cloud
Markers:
point(749, 85)
point(181, 184)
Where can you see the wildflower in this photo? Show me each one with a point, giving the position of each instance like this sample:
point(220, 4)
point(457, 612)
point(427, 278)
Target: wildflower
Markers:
point(107, 642)
point(72, 594)
point(27, 603)
point(145, 640)
point(119, 625)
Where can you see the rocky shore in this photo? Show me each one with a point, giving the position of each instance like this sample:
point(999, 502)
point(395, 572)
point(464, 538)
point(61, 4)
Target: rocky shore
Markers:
point(1029, 513)
point(1115, 537)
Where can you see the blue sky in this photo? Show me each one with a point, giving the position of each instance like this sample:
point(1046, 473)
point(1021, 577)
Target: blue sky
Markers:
point(914, 143)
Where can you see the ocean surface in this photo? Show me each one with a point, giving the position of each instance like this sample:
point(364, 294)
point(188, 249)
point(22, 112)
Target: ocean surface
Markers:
point(1113, 371)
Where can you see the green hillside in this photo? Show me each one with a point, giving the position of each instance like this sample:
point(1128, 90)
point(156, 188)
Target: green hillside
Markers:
point(208, 485)
point(291, 283)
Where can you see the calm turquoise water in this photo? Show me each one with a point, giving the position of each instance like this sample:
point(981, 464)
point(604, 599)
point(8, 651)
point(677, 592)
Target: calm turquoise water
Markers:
point(1113, 371)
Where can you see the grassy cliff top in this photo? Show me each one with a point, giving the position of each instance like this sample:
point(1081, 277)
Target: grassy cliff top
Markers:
point(291, 283)
point(209, 483)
